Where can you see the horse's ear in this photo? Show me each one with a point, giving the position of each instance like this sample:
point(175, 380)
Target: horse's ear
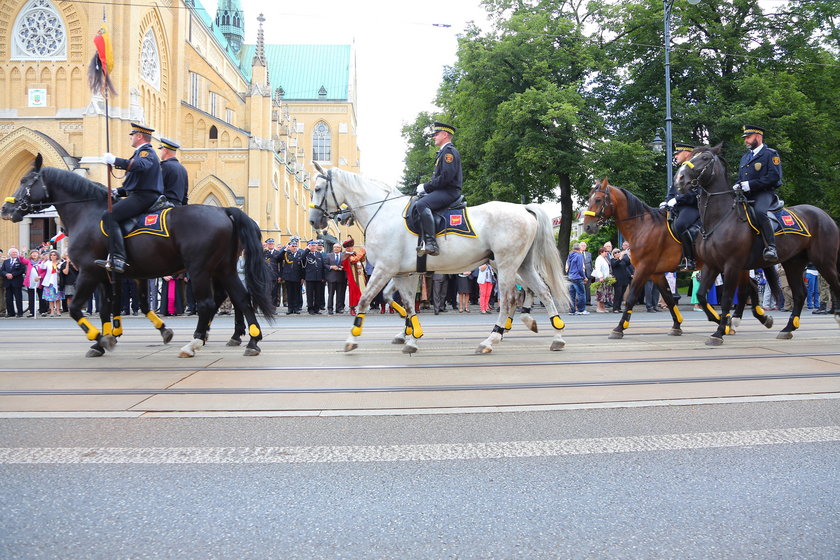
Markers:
point(716, 150)
point(604, 183)
point(318, 167)
point(39, 161)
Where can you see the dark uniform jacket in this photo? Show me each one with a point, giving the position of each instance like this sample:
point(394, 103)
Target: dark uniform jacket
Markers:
point(762, 170)
point(175, 181)
point(273, 257)
point(17, 271)
point(447, 174)
point(314, 266)
point(335, 275)
point(290, 265)
point(142, 171)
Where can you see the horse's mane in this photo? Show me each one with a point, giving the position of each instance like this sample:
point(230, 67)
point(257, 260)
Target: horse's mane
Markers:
point(635, 206)
point(721, 159)
point(75, 185)
point(358, 180)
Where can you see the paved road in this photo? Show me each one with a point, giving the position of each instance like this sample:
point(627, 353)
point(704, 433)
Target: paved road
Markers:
point(647, 447)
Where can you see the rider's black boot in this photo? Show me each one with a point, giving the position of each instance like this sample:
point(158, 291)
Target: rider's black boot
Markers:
point(688, 262)
point(116, 263)
point(770, 254)
point(427, 221)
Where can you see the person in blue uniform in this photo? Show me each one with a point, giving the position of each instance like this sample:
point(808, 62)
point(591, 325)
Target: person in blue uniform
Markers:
point(759, 175)
point(684, 207)
point(174, 175)
point(142, 186)
point(442, 190)
point(291, 270)
point(314, 273)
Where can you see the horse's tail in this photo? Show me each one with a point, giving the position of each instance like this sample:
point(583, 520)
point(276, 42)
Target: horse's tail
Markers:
point(771, 280)
point(258, 276)
point(544, 256)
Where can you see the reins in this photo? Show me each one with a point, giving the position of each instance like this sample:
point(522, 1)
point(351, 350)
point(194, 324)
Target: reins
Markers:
point(707, 196)
point(331, 190)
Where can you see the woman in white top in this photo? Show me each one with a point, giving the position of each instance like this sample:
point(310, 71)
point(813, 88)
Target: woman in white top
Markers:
point(49, 283)
point(601, 271)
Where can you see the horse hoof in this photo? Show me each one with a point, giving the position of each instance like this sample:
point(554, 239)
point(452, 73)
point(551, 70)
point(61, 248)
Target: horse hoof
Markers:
point(251, 351)
point(234, 342)
point(398, 340)
point(675, 332)
point(94, 353)
point(530, 323)
point(482, 349)
point(185, 354)
point(350, 346)
point(736, 322)
point(616, 335)
point(785, 335)
point(108, 342)
point(769, 322)
point(409, 349)
point(714, 341)
point(557, 345)
point(166, 335)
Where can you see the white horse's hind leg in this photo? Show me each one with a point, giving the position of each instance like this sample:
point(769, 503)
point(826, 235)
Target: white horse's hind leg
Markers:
point(532, 278)
point(526, 317)
point(189, 349)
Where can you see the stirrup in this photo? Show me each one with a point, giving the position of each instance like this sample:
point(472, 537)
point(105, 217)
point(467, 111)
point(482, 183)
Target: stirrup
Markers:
point(770, 255)
point(688, 264)
point(430, 248)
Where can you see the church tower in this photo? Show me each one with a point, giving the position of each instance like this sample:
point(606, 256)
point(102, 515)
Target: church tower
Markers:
point(231, 23)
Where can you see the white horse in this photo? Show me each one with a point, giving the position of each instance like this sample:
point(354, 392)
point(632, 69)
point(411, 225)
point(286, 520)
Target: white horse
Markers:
point(518, 239)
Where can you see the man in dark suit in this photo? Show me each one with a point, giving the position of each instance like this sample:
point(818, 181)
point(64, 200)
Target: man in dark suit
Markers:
point(272, 257)
point(13, 270)
point(442, 190)
point(314, 269)
point(759, 175)
point(336, 280)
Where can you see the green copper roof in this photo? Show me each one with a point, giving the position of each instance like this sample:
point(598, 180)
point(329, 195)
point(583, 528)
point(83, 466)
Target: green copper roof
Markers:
point(302, 70)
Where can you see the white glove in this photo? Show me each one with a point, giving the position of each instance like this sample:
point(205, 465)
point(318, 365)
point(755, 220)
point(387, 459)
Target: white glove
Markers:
point(114, 193)
point(109, 158)
point(743, 185)
point(663, 204)
point(421, 189)
point(672, 203)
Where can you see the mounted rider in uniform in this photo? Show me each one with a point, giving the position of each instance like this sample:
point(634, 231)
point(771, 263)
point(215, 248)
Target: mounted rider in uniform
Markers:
point(759, 175)
point(684, 207)
point(176, 183)
point(142, 186)
point(442, 190)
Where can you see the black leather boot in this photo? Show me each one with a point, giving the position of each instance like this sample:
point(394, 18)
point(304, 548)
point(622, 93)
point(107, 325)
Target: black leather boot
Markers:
point(688, 262)
point(430, 246)
point(770, 255)
point(116, 262)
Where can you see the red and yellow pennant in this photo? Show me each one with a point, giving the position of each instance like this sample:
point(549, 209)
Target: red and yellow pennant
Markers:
point(102, 63)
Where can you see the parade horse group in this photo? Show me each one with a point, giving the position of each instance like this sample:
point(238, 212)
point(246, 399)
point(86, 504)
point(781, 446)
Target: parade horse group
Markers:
point(203, 241)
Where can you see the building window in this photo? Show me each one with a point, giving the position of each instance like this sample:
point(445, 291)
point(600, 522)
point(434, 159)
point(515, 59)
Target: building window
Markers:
point(150, 60)
point(39, 33)
point(321, 142)
point(214, 133)
point(195, 88)
point(229, 116)
point(213, 103)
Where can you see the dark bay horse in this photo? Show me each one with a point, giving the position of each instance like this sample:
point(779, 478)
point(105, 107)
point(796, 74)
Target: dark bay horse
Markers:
point(654, 251)
point(729, 243)
point(204, 241)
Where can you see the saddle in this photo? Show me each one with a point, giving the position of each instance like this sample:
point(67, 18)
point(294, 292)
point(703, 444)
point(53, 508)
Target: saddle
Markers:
point(453, 219)
point(151, 221)
point(783, 220)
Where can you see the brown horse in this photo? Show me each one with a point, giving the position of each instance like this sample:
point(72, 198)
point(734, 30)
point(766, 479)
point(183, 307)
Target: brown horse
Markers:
point(655, 251)
point(730, 243)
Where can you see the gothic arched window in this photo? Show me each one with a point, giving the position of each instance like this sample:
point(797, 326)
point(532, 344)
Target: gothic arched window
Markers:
point(321, 142)
point(39, 33)
point(150, 59)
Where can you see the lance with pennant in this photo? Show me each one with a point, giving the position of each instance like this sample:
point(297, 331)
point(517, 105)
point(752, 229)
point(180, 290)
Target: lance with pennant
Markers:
point(99, 79)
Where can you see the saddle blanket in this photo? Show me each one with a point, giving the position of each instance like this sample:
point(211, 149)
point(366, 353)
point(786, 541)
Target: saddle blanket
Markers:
point(785, 221)
point(455, 222)
point(154, 223)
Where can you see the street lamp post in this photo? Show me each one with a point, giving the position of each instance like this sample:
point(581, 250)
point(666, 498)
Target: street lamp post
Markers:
point(669, 141)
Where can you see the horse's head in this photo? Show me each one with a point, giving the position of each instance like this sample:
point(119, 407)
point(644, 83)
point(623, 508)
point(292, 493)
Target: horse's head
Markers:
point(600, 208)
point(701, 170)
point(32, 195)
point(325, 204)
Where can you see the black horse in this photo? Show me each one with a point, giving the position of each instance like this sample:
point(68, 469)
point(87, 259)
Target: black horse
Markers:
point(730, 243)
point(204, 241)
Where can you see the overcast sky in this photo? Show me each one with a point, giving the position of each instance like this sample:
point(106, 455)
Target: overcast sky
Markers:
point(400, 56)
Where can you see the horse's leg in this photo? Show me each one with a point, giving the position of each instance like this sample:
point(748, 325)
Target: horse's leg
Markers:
point(829, 266)
point(748, 289)
point(507, 303)
point(243, 312)
point(794, 268)
point(527, 305)
point(532, 278)
point(85, 286)
point(377, 281)
point(635, 292)
point(676, 316)
point(143, 293)
point(731, 275)
point(413, 331)
point(204, 305)
point(110, 293)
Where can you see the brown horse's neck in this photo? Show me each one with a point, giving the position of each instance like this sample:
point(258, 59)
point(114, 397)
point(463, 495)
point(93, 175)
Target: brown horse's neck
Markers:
point(632, 227)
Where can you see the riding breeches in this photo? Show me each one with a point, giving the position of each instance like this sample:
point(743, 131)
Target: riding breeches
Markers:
point(687, 216)
point(761, 204)
point(437, 200)
point(125, 208)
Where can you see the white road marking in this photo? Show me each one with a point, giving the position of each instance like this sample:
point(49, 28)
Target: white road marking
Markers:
point(423, 452)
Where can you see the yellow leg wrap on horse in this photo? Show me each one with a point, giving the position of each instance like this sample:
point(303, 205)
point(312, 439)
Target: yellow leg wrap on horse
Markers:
point(728, 319)
point(118, 329)
point(107, 328)
point(415, 326)
point(399, 309)
point(713, 312)
point(254, 330)
point(152, 316)
point(357, 324)
point(759, 310)
point(509, 323)
point(90, 331)
point(796, 322)
point(678, 315)
point(557, 322)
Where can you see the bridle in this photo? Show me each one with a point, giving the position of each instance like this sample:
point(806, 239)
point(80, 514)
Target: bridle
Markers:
point(343, 209)
point(24, 204)
point(696, 185)
point(606, 202)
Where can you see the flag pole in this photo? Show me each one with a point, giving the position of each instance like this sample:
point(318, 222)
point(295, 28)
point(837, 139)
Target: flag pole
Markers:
point(108, 146)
